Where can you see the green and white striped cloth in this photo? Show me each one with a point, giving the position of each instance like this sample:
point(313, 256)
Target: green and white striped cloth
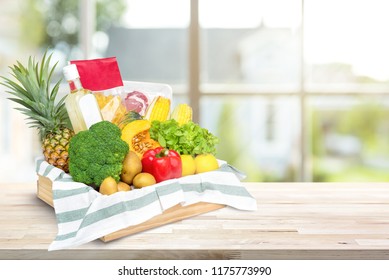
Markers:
point(84, 215)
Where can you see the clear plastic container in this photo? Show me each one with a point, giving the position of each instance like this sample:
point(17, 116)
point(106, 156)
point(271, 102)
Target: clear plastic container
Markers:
point(133, 96)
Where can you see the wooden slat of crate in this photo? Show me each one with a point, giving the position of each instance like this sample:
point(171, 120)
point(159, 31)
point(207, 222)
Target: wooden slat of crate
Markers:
point(173, 214)
point(45, 190)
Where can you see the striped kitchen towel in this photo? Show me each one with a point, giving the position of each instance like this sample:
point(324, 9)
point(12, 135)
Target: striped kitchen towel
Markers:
point(84, 214)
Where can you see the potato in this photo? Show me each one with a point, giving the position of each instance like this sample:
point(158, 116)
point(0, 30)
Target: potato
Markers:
point(143, 180)
point(123, 187)
point(108, 186)
point(132, 166)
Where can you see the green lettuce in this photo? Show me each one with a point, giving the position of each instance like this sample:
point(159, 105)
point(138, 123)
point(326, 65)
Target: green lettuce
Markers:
point(187, 139)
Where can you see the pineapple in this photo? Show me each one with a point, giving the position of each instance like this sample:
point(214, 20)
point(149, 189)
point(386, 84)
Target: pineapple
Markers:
point(32, 90)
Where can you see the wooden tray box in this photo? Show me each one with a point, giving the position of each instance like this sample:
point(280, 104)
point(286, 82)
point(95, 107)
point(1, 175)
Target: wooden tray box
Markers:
point(174, 214)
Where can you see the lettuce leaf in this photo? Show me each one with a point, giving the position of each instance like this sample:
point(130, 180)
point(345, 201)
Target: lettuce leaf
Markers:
point(188, 139)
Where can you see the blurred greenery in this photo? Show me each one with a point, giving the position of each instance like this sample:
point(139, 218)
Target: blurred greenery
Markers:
point(360, 173)
point(350, 172)
point(236, 147)
point(230, 147)
point(368, 122)
point(32, 22)
point(56, 21)
point(233, 147)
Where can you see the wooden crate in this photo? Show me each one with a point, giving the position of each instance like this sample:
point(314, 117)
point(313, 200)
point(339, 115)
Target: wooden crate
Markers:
point(173, 214)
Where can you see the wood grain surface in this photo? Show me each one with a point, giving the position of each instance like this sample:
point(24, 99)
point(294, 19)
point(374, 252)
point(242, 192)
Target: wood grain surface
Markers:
point(293, 221)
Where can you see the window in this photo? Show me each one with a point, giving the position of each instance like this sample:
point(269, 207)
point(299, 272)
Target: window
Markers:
point(297, 90)
point(347, 79)
point(349, 138)
point(345, 46)
point(250, 64)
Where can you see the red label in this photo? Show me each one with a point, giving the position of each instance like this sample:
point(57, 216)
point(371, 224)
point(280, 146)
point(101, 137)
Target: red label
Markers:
point(99, 74)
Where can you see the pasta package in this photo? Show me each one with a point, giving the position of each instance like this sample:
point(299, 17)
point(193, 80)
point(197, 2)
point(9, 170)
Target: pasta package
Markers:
point(102, 77)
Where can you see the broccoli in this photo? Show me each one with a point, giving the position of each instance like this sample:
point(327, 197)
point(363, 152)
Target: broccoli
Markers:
point(97, 153)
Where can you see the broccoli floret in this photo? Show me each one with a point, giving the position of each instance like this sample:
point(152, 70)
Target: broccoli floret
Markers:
point(97, 153)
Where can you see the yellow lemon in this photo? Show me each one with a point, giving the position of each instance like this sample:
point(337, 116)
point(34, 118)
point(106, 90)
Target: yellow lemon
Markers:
point(205, 163)
point(188, 165)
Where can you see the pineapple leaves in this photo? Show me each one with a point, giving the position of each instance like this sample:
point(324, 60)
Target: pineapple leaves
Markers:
point(28, 105)
point(54, 91)
point(43, 70)
point(30, 86)
point(17, 90)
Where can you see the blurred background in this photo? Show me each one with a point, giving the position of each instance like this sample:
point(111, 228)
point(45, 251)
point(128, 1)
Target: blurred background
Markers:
point(297, 90)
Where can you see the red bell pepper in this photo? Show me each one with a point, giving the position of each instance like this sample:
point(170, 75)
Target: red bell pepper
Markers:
point(162, 163)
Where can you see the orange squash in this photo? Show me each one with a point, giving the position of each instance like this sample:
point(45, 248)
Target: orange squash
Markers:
point(136, 134)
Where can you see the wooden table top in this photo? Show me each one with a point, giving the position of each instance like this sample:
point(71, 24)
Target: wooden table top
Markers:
point(293, 221)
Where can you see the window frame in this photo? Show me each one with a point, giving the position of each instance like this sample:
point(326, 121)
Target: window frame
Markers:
point(195, 90)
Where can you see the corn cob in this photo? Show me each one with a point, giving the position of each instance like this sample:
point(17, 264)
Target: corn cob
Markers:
point(182, 113)
point(159, 109)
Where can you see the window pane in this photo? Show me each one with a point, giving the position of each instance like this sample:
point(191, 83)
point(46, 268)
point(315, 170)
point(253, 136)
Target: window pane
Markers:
point(250, 43)
point(249, 13)
point(18, 143)
point(151, 41)
point(346, 46)
point(257, 135)
point(349, 139)
point(156, 14)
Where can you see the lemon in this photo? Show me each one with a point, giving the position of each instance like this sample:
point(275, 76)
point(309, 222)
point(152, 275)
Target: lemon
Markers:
point(188, 165)
point(205, 163)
